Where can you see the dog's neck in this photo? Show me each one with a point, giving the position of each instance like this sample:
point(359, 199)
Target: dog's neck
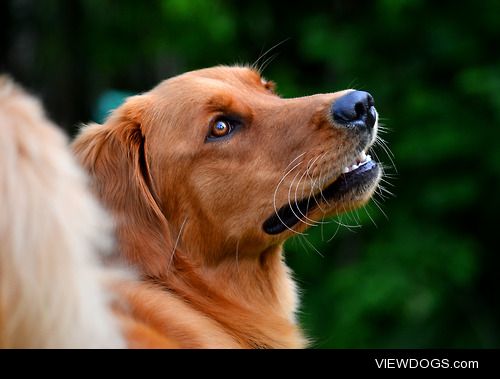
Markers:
point(254, 299)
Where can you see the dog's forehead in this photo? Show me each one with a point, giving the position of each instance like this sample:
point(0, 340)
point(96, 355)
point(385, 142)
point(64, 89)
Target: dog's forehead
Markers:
point(216, 77)
point(229, 74)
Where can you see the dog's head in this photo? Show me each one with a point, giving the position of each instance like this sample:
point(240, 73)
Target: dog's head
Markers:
point(214, 161)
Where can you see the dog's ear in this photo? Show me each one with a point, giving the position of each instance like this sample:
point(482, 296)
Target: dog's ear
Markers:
point(114, 154)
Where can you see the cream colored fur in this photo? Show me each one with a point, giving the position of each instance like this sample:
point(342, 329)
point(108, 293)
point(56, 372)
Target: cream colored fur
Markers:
point(51, 234)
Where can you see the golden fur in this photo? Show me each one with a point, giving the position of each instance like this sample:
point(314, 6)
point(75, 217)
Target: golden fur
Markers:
point(189, 210)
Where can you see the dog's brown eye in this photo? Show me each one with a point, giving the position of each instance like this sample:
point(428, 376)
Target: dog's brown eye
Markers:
point(220, 128)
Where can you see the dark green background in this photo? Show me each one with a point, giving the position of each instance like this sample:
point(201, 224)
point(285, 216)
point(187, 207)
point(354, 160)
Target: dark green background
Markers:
point(425, 276)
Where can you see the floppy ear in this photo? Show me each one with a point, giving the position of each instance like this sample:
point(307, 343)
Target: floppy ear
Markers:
point(115, 156)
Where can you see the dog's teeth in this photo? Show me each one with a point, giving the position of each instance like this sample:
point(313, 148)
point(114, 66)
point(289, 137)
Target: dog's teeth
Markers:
point(366, 160)
point(362, 159)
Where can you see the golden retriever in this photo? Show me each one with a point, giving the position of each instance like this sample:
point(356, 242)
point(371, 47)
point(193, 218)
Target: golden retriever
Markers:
point(206, 176)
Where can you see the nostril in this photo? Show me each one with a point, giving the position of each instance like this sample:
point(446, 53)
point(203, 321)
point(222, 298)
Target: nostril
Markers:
point(360, 109)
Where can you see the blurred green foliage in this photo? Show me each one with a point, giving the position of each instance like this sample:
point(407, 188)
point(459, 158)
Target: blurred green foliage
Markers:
point(425, 276)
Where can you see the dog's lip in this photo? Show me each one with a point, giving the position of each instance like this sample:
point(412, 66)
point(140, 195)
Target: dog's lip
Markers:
point(290, 214)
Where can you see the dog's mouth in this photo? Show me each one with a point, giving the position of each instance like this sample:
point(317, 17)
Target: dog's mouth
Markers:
point(355, 180)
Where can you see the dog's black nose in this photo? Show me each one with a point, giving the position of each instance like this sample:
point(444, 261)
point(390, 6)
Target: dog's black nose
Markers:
point(356, 109)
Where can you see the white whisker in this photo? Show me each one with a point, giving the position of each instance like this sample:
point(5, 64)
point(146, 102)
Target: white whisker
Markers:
point(176, 244)
point(290, 202)
point(314, 248)
point(380, 142)
point(380, 208)
point(368, 214)
point(311, 191)
point(260, 68)
point(318, 180)
point(278, 185)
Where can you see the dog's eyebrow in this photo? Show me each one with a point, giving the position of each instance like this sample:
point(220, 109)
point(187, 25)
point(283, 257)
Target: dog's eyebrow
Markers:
point(220, 103)
point(228, 105)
